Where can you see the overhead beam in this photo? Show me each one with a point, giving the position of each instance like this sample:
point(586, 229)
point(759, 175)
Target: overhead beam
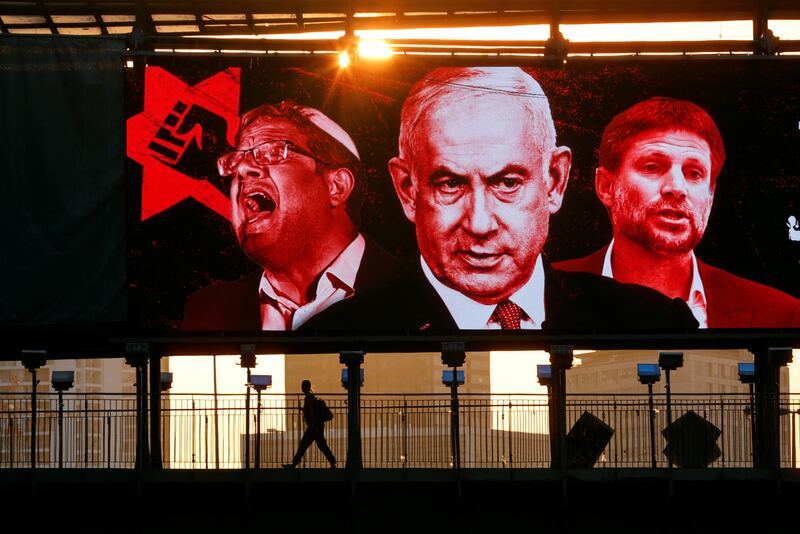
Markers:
point(469, 47)
point(571, 11)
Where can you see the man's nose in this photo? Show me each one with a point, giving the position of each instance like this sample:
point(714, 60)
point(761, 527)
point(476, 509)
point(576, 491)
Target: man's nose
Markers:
point(248, 168)
point(479, 218)
point(673, 182)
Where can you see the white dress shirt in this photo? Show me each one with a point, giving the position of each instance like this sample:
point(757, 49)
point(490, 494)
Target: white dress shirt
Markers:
point(279, 312)
point(697, 294)
point(472, 315)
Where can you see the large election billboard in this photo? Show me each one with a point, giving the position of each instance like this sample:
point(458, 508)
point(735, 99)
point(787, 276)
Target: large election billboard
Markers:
point(418, 196)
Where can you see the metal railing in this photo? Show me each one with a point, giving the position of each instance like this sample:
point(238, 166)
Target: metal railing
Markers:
point(397, 431)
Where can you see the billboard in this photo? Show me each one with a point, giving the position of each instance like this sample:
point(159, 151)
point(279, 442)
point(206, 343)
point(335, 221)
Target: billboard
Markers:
point(592, 197)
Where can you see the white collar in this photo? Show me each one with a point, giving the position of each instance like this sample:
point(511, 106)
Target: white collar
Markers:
point(472, 315)
point(697, 293)
point(340, 273)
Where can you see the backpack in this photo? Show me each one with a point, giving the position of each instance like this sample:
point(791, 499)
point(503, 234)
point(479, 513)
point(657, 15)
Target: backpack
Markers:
point(325, 413)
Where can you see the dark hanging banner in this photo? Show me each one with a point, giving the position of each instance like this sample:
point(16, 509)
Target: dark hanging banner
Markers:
point(62, 188)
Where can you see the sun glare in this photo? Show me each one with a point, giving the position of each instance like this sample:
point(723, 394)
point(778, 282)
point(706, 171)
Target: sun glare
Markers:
point(344, 59)
point(374, 49)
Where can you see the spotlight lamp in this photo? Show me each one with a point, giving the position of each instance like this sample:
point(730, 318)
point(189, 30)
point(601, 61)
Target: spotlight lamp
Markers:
point(166, 381)
point(453, 353)
point(63, 380)
point(544, 373)
point(260, 382)
point(747, 373)
point(670, 361)
point(649, 373)
point(346, 377)
point(34, 359)
point(247, 358)
point(447, 377)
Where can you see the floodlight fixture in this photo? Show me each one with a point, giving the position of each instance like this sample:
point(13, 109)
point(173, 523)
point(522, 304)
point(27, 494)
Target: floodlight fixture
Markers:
point(447, 377)
point(247, 358)
point(747, 372)
point(670, 361)
point(166, 381)
point(62, 380)
point(136, 354)
point(649, 373)
point(453, 353)
point(544, 373)
point(260, 382)
point(33, 359)
point(346, 377)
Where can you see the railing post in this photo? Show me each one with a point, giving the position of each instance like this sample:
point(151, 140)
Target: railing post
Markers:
point(560, 361)
point(353, 360)
point(247, 360)
point(155, 410)
point(722, 427)
point(454, 356)
point(768, 362)
point(652, 419)
point(136, 357)
point(258, 429)
point(60, 429)
point(85, 431)
point(510, 436)
point(10, 441)
point(33, 360)
point(405, 431)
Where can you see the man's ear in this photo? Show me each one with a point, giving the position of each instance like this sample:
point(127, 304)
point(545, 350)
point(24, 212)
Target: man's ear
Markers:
point(604, 186)
point(405, 186)
point(340, 184)
point(558, 176)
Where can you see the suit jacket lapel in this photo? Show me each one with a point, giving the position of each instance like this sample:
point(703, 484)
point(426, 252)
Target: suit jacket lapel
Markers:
point(724, 308)
point(564, 302)
point(427, 310)
point(377, 266)
point(595, 261)
point(251, 301)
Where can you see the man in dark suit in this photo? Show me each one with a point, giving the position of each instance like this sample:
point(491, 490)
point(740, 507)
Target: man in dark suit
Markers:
point(296, 193)
point(659, 162)
point(479, 174)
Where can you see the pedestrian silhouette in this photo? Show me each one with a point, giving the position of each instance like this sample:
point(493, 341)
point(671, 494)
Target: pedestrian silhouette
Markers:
point(314, 418)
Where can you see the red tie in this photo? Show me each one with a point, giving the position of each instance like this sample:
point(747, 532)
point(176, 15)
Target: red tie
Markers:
point(508, 315)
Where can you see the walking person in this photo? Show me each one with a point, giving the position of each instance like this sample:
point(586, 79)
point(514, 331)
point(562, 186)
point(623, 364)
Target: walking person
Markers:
point(315, 414)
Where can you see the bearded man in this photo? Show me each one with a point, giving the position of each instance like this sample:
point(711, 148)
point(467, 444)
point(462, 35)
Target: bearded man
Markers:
point(658, 169)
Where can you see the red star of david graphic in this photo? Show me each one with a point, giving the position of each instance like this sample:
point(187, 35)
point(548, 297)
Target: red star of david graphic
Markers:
point(175, 122)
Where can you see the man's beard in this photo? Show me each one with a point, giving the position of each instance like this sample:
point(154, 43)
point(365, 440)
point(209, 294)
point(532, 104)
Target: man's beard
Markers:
point(633, 223)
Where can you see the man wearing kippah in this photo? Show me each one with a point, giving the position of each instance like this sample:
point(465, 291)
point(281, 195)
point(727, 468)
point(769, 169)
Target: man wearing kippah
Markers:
point(296, 191)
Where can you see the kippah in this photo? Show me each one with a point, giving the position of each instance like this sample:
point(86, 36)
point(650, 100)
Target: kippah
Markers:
point(324, 123)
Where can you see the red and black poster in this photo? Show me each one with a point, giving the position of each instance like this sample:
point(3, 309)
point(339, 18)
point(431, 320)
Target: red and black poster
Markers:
point(588, 197)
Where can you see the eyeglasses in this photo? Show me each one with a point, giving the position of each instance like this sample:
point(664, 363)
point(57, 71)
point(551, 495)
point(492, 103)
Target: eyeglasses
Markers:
point(267, 153)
